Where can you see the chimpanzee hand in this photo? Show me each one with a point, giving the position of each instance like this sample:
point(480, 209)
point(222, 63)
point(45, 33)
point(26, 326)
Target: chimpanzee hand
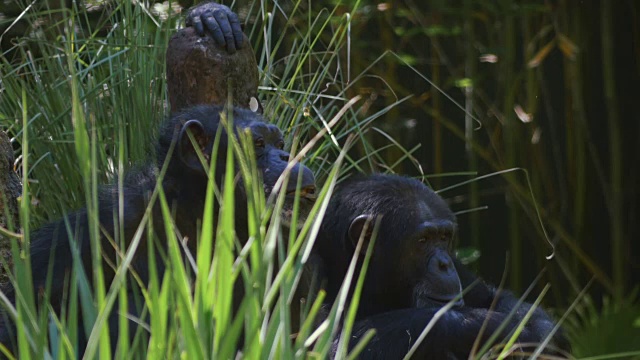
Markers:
point(220, 22)
point(482, 295)
point(452, 336)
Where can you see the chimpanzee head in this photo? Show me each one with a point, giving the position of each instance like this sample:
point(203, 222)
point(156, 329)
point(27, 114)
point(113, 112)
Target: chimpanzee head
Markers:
point(198, 126)
point(411, 265)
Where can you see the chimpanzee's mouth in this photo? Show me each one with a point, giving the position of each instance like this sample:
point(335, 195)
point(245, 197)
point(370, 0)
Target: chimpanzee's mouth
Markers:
point(422, 299)
point(307, 199)
point(307, 193)
point(444, 301)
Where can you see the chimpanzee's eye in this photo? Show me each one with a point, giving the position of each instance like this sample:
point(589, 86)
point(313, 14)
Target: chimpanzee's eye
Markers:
point(280, 145)
point(447, 235)
point(260, 143)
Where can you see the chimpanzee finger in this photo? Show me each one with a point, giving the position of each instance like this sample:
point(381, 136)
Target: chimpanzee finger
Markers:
point(223, 21)
point(197, 24)
point(214, 28)
point(236, 28)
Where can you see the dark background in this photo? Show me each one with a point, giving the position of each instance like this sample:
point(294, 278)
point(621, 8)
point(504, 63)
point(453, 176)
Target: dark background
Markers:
point(573, 67)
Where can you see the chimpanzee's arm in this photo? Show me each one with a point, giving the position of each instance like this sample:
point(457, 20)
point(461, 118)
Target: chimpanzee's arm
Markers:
point(218, 20)
point(483, 295)
point(452, 336)
point(49, 243)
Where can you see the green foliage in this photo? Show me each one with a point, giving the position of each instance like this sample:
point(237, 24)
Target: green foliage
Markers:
point(80, 85)
point(84, 106)
point(607, 331)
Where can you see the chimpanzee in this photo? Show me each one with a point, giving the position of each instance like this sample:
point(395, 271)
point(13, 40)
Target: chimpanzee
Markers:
point(184, 185)
point(412, 273)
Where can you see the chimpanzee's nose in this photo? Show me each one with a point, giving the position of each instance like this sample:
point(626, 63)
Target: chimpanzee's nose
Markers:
point(444, 263)
point(307, 181)
point(441, 263)
point(284, 156)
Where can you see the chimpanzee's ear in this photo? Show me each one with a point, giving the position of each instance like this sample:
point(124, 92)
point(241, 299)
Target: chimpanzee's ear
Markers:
point(358, 225)
point(187, 147)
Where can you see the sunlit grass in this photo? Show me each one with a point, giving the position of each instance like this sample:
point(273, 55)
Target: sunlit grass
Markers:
point(89, 107)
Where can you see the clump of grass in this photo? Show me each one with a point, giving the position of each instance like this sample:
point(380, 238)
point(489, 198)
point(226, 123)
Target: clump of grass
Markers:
point(84, 108)
point(609, 330)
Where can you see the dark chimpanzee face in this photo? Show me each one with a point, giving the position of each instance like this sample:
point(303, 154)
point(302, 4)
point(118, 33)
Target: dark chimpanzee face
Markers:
point(429, 267)
point(411, 264)
point(271, 158)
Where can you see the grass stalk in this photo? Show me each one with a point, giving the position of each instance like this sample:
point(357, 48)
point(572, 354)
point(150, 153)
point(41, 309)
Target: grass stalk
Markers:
point(470, 73)
point(511, 139)
point(616, 166)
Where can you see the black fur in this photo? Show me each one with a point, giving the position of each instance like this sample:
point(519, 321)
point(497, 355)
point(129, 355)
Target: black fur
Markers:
point(397, 298)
